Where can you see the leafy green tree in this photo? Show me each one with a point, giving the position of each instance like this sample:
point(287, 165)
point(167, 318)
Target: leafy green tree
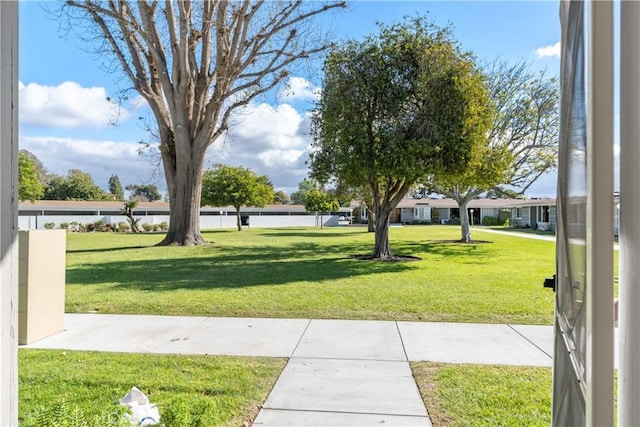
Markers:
point(29, 185)
point(304, 186)
point(40, 169)
point(235, 186)
point(396, 107)
point(115, 187)
point(522, 143)
point(196, 63)
point(144, 192)
point(320, 202)
point(77, 185)
point(281, 198)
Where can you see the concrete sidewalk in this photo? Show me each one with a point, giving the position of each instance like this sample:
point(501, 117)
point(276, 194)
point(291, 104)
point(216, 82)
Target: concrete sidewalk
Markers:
point(340, 372)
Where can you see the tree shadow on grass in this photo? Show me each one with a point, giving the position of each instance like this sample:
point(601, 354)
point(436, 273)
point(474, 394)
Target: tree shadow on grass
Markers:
point(311, 235)
point(465, 253)
point(229, 268)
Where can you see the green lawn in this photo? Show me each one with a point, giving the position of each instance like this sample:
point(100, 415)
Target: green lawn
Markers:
point(475, 395)
point(220, 390)
point(307, 273)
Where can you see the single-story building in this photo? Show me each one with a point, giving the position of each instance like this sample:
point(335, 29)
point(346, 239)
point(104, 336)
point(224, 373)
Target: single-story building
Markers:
point(34, 215)
point(535, 213)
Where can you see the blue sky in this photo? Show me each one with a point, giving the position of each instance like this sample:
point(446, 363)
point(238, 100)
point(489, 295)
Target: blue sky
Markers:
point(65, 115)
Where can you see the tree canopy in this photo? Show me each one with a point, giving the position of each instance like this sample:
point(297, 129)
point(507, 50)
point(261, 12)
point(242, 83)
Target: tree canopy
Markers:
point(77, 185)
point(281, 198)
point(29, 184)
point(195, 63)
point(304, 187)
point(396, 107)
point(144, 192)
point(235, 186)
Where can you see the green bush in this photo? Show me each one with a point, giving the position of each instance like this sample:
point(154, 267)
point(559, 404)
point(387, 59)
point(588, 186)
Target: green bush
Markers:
point(504, 217)
point(98, 225)
point(489, 220)
point(147, 227)
point(455, 221)
point(89, 227)
point(49, 225)
point(64, 225)
point(123, 227)
point(157, 227)
point(164, 226)
point(507, 223)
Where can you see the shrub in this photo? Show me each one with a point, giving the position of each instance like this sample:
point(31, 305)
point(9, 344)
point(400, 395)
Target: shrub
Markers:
point(123, 227)
point(147, 227)
point(489, 220)
point(64, 225)
point(504, 217)
point(98, 225)
point(507, 222)
point(107, 227)
point(157, 227)
point(455, 221)
point(164, 226)
point(90, 226)
point(49, 225)
point(74, 226)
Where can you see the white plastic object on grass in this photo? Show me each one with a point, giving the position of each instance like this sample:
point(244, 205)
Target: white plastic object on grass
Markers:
point(143, 413)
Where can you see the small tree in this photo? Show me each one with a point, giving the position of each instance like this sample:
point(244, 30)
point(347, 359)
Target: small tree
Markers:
point(319, 202)
point(235, 186)
point(29, 185)
point(115, 187)
point(127, 211)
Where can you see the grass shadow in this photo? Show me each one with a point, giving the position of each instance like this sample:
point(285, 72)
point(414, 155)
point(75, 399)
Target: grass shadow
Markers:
point(232, 267)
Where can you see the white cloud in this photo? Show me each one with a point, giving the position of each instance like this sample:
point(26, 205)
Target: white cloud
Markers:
point(99, 158)
point(272, 141)
point(299, 89)
point(548, 51)
point(67, 105)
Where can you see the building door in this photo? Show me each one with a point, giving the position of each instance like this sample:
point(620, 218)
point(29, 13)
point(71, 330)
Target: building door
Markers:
point(583, 354)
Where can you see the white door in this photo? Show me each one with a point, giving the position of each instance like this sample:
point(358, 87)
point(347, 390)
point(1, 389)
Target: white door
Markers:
point(583, 359)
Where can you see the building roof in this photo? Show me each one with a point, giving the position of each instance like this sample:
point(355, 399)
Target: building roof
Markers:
point(475, 203)
point(83, 205)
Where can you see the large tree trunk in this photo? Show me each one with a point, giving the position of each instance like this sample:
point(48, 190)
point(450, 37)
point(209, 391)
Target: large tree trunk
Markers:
point(382, 250)
point(185, 188)
point(370, 223)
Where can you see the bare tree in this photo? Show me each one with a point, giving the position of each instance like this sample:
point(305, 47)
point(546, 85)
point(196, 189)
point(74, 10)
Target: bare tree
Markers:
point(523, 142)
point(195, 63)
